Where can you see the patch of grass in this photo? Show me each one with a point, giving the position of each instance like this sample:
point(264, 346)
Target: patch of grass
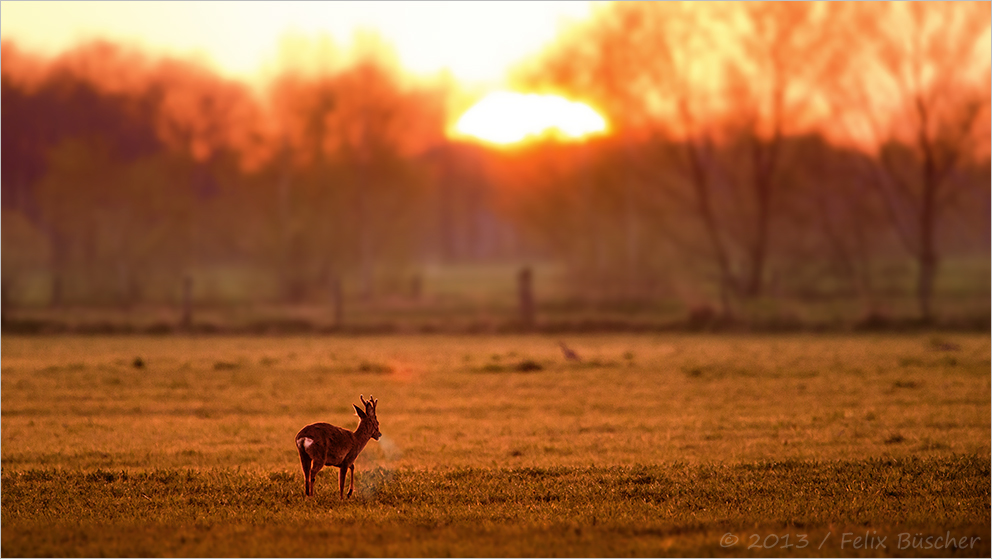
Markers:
point(931, 445)
point(905, 384)
point(372, 367)
point(596, 364)
point(718, 371)
point(816, 392)
point(911, 361)
point(895, 438)
point(652, 510)
point(939, 343)
point(528, 366)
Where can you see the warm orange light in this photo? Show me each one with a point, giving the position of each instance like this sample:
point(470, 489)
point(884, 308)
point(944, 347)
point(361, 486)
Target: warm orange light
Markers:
point(504, 118)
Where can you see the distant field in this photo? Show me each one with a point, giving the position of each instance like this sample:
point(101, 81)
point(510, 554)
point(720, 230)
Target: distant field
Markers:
point(472, 298)
point(654, 444)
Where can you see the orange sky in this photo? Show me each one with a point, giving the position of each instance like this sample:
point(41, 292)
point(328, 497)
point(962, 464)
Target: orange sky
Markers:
point(476, 41)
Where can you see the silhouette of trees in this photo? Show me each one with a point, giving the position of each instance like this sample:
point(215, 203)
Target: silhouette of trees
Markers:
point(351, 181)
point(712, 100)
point(920, 100)
point(56, 124)
point(126, 239)
point(753, 148)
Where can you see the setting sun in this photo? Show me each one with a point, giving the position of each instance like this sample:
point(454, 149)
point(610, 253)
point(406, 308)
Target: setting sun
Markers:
point(505, 117)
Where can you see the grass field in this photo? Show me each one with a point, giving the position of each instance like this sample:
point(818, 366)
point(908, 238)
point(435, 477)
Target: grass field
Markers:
point(654, 444)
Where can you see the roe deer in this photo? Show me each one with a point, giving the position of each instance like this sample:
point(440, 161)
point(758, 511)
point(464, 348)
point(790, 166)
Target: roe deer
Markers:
point(323, 444)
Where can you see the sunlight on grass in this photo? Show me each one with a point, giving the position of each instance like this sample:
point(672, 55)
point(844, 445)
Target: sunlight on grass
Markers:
point(494, 442)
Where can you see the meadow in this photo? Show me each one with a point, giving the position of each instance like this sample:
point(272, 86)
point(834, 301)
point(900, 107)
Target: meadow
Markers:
point(656, 444)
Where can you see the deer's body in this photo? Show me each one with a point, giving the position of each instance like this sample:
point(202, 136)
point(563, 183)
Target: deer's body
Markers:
point(323, 444)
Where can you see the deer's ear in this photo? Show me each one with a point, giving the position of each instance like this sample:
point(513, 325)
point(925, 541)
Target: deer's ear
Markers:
point(360, 412)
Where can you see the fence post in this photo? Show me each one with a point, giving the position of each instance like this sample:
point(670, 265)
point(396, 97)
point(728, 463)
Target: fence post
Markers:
point(4, 302)
point(187, 316)
point(337, 302)
point(525, 296)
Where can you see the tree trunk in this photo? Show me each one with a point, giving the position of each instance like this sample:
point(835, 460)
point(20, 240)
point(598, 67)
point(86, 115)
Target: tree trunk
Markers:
point(4, 303)
point(928, 217)
point(763, 161)
point(927, 257)
point(924, 291)
point(631, 225)
point(59, 250)
point(705, 208)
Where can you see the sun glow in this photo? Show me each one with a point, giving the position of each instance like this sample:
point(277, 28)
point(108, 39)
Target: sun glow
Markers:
point(505, 117)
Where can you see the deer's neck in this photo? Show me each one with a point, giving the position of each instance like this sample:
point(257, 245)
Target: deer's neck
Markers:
point(363, 433)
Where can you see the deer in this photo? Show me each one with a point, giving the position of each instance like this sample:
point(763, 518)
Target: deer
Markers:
point(323, 444)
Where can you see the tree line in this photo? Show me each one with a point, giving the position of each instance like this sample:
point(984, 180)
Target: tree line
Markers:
point(755, 150)
point(776, 140)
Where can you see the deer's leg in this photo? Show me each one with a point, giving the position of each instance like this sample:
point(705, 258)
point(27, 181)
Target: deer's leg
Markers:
point(306, 462)
point(344, 474)
point(313, 473)
point(352, 488)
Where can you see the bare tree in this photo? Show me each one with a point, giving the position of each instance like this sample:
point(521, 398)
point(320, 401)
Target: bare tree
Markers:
point(919, 98)
point(722, 86)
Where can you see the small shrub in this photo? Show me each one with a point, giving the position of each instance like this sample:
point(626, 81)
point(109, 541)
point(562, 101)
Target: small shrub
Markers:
point(905, 384)
point(694, 372)
point(910, 362)
point(101, 475)
point(370, 367)
point(895, 438)
point(528, 365)
point(940, 344)
point(281, 477)
point(930, 444)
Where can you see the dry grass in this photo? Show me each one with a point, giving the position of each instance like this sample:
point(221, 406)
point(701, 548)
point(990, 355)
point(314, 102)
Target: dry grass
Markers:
point(453, 402)
point(85, 406)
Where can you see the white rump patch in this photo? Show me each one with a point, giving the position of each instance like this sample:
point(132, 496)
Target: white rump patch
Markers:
point(304, 442)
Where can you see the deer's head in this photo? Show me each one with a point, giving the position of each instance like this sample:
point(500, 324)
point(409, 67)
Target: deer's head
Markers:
point(369, 415)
